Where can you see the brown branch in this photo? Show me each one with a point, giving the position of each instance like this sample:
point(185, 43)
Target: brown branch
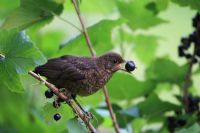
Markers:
point(85, 33)
point(186, 85)
point(71, 103)
point(112, 114)
point(93, 53)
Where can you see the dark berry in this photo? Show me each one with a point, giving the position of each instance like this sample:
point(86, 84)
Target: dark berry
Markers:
point(181, 51)
point(171, 119)
point(60, 100)
point(181, 122)
point(178, 112)
point(130, 66)
point(198, 51)
point(193, 104)
point(192, 37)
point(172, 124)
point(57, 117)
point(194, 60)
point(56, 104)
point(48, 93)
point(196, 20)
point(188, 56)
point(186, 43)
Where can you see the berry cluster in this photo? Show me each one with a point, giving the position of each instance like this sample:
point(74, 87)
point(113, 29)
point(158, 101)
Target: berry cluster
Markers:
point(178, 121)
point(193, 38)
point(56, 104)
point(175, 122)
point(193, 104)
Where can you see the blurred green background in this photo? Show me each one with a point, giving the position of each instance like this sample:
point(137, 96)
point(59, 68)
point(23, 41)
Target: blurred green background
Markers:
point(145, 31)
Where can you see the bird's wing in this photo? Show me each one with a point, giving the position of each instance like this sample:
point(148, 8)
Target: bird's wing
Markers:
point(60, 68)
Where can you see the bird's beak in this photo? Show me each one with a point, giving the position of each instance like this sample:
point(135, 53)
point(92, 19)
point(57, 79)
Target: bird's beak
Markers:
point(121, 67)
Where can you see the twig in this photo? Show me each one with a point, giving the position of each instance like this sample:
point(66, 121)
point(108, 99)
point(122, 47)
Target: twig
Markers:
point(187, 84)
point(85, 33)
point(75, 108)
point(93, 53)
point(112, 114)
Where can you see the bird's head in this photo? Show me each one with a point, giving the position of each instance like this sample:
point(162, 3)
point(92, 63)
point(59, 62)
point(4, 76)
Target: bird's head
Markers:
point(112, 61)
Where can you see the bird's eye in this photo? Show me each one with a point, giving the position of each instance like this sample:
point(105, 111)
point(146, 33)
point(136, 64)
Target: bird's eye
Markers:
point(114, 61)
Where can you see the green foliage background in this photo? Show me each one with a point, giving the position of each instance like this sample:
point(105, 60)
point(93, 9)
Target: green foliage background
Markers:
point(146, 31)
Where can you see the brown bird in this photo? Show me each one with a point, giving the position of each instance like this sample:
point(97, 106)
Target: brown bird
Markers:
point(81, 75)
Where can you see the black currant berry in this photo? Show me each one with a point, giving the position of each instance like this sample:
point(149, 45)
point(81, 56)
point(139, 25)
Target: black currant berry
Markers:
point(194, 60)
point(198, 51)
point(56, 104)
point(186, 43)
point(48, 93)
point(196, 20)
point(181, 123)
point(57, 117)
point(192, 37)
point(193, 104)
point(181, 51)
point(178, 112)
point(188, 56)
point(130, 66)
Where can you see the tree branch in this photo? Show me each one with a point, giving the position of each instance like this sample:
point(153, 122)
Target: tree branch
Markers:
point(109, 105)
point(85, 33)
point(187, 84)
point(93, 53)
point(71, 103)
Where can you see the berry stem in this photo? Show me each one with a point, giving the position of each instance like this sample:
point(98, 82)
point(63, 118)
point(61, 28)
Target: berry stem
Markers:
point(93, 53)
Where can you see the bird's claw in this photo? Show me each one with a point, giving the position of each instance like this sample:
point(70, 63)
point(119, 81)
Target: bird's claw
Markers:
point(88, 116)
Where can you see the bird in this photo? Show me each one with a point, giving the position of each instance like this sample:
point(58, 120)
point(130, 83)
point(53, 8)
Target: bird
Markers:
point(79, 75)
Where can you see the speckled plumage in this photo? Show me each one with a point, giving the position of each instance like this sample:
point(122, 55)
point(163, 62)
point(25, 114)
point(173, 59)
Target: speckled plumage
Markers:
point(80, 75)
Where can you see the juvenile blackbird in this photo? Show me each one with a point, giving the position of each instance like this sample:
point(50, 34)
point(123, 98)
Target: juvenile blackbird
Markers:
point(81, 75)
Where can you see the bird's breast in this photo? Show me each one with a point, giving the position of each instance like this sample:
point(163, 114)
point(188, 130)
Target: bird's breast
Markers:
point(95, 79)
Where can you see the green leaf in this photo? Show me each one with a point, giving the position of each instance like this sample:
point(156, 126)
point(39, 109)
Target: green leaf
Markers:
point(74, 126)
point(97, 118)
point(115, 107)
point(165, 70)
point(48, 42)
point(49, 111)
point(145, 43)
point(154, 106)
point(124, 117)
point(138, 16)
point(32, 11)
point(138, 124)
point(6, 6)
point(167, 93)
point(20, 56)
point(157, 5)
point(194, 4)
point(192, 129)
point(101, 42)
point(128, 87)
